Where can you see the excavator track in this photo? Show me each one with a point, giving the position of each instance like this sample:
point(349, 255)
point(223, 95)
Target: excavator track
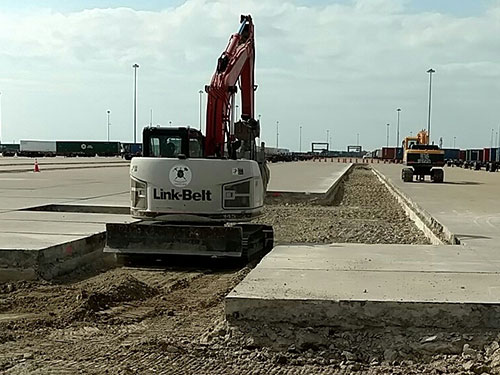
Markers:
point(165, 238)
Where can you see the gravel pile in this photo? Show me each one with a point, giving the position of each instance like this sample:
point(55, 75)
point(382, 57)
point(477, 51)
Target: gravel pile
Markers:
point(367, 213)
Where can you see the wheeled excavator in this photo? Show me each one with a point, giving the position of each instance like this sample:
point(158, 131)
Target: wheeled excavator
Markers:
point(195, 194)
point(422, 159)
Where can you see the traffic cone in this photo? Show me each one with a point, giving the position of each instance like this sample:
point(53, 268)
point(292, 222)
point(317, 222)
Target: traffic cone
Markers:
point(37, 168)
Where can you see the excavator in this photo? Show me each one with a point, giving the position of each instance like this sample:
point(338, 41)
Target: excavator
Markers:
point(422, 159)
point(195, 194)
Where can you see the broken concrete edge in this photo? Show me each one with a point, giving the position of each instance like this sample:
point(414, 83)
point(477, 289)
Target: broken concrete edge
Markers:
point(320, 198)
point(436, 232)
point(354, 314)
point(53, 261)
point(114, 165)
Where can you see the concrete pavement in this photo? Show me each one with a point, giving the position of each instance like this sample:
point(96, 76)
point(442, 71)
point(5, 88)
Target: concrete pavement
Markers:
point(467, 203)
point(350, 285)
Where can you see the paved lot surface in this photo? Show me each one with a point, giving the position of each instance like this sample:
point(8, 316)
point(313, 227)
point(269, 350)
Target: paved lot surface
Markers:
point(35, 229)
point(305, 177)
point(22, 164)
point(468, 203)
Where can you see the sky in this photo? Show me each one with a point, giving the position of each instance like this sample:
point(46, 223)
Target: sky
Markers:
point(341, 67)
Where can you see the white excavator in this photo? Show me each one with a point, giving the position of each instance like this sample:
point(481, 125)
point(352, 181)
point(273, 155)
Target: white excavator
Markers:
point(195, 193)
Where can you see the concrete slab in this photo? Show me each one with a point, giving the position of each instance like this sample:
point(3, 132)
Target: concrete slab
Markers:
point(351, 284)
point(305, 177)
point(467, 203)
point(48, 243)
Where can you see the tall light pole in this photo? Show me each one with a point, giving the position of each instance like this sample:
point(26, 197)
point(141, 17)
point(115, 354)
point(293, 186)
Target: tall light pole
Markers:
point(277, 132)
point(108, 112)
point(491, 139)
point(328, 137)
point(454, 141)
point(430, 71)
point(397, 133)
point(388, 126)
point(201, 93)
point(135, 66)
point(357, 139)
point(300, 138)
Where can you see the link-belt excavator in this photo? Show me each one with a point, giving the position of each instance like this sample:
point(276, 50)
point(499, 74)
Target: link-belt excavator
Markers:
point(194, 194)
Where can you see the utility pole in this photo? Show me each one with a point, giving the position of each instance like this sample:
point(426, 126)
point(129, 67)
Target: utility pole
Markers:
point(135, 66)
point(108, 112)
point(277, 133)
point(201, 93)
point(300, 138)
point(388, 126)
point(430, 71)
point(397, 133)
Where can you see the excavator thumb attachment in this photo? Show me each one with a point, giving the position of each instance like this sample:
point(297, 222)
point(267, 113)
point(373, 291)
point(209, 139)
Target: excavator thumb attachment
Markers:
point(162, 238)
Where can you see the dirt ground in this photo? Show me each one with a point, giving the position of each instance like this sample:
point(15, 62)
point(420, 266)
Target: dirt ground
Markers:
point(169, 318)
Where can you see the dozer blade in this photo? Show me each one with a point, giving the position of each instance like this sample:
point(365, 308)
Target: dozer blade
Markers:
point(150, 237)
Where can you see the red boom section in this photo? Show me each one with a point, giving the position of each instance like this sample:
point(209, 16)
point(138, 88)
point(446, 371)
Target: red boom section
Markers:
point(236, 62)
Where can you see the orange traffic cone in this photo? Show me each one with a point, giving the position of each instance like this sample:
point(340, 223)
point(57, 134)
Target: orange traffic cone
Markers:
point(37, 168)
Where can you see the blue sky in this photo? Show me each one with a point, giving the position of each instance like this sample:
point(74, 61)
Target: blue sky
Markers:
point(341, 66)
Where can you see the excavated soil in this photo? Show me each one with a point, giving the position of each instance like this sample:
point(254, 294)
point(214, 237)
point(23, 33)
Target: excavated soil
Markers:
point(170, 319)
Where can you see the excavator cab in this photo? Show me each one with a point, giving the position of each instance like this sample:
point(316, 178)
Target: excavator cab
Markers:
point(178, 143)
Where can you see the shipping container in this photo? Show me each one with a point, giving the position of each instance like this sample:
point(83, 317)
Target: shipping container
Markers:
point(486, 155)
point(493, 154)
point(399, 153)
point(389, 153)
point(474, 155)
point(451, 153)
point(9, 149)
point(462, 155)
point(37, 148)
point(84, 148)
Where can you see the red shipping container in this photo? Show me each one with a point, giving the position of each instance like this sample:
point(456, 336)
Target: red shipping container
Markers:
point(389, 153)
point(486, 155)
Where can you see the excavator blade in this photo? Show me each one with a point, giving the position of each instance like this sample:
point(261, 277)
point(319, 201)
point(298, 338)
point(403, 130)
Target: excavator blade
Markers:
point(162, 238)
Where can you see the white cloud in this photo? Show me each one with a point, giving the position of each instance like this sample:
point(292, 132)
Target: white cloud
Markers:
point(343, 67)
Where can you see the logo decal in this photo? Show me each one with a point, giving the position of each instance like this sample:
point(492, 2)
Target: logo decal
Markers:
point(180, 175)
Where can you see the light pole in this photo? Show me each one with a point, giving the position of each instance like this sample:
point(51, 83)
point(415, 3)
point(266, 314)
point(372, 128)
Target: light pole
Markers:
point(151, 117)
point(300, 138)
point(454, 141)
point(491, 139)
point(201, 93)
point(397, 133)
point(135, 66)
point(277, 132)
point(108, 112)
point(357, 139)
point(430, 71)
point(1, 118)
point(388, 126)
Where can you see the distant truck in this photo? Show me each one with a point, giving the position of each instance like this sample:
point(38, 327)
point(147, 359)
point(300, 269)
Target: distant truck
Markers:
point(422, 159)
point(129, 150)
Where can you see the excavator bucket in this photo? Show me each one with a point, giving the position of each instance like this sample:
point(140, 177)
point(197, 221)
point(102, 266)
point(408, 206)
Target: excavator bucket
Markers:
point(161, 238)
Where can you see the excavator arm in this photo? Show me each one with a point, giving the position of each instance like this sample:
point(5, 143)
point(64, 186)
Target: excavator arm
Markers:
point(235, 63)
